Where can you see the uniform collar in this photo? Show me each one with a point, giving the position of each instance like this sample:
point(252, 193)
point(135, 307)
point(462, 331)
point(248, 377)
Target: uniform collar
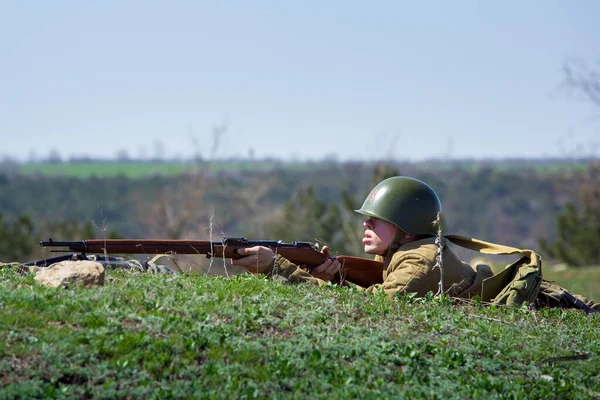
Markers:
point(420, 242)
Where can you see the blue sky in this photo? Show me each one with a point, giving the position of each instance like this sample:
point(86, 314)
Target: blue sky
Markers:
point(295, 80)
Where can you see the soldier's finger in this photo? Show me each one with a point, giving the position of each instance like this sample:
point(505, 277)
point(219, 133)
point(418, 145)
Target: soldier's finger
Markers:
point(326, 264)
point(248, 250)
point(245, 261)
point(333, 268)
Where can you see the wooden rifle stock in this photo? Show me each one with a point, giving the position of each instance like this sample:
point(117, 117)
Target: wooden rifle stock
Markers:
point(361, 271)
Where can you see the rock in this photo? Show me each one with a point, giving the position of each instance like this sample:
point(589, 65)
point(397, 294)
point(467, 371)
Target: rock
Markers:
point(87, 273)
point(33, 269)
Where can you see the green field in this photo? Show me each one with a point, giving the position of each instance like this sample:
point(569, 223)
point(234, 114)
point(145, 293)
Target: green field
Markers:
point(85, 170)
point(138, 169)
point(191, 336)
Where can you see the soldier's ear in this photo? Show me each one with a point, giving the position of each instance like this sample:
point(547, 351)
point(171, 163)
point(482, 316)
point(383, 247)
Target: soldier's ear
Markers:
point(409, 236)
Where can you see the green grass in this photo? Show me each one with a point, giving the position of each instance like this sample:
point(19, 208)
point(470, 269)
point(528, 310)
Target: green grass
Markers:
point(192, 336)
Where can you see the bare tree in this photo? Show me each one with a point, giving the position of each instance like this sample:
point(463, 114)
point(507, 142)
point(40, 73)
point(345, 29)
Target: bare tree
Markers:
point(180, 209)
point(583, 79)
point(175, 214)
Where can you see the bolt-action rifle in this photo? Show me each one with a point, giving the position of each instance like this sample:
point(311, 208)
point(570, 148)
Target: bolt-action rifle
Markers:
point(361, 271)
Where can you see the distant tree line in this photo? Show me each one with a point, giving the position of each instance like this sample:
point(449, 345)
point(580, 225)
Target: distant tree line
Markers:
point(554, 212)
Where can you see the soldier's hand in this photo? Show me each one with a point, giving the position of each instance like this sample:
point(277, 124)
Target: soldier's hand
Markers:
point(327, 270)
point(324, 250)
point(256, 259)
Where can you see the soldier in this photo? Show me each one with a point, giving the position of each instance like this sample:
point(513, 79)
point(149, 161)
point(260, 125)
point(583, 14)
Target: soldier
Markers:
point(401, 230)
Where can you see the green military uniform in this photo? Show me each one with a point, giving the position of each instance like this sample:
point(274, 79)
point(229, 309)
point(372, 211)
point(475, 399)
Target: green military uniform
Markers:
point(412, 269)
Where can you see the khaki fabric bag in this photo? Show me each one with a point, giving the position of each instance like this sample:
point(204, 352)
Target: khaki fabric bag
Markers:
point(519, 282)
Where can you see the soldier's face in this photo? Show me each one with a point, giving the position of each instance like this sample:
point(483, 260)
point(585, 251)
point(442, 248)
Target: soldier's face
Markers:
point(379, 235)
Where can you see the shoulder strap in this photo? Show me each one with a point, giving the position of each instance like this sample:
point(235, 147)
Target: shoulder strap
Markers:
point(490, 248)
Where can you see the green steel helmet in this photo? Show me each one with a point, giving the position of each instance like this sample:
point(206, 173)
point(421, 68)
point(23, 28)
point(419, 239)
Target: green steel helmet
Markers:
point(408, 203)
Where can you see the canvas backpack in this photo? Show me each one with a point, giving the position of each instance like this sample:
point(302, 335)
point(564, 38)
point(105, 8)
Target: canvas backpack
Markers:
point(516, 284)
point(520, 281)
